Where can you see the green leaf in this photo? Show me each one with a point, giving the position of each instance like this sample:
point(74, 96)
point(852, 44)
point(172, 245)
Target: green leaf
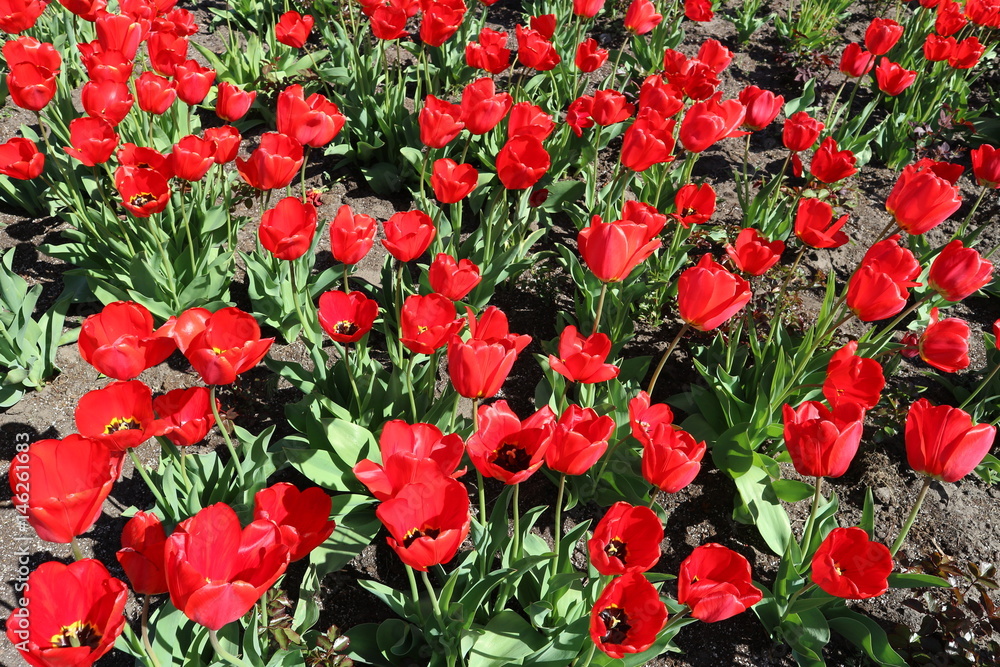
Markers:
point(505, 640)
point(867, 523)
point(792, 491)
point(866, 634)
point(916, 580)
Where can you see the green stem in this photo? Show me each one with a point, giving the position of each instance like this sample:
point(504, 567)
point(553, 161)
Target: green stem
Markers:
point(913, 516)
point(414, 592)
point(225, 435)
point(145, 477)
point(213, 637)
point(302, 172)
point(409, 387)
point(652, 499)
point(980, 387)
point(968, 218)
point(557, 534)
point(600, 308)
point(776, 320)
point(77, 552)
point(144, 629)
point(345, 352)
point(436, 607)
point(795, 596)
point(666, 355)
point(809, 527)
point(516, 511)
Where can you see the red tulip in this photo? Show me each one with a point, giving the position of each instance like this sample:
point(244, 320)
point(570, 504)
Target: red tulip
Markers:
point(579, 440)
point(453, 182)
point(479, 366)
point(878, 289)
point(490, 53)
point(986, 165)
point(849, 565)
point(408, 234)
point(287, 230)
point(185, 415)
point(351, 236)
point(31, 87)
point(959, 272)
point(647, 141)
point(440, 122)
point(945, 344)
point(707, 122)
point(545, 24)
point(708, 295)
point(143, 191)
point(120, 341)
point(715, 583)
point(626, 539)
point(694, 204)
point(107, 99)
point(753, 253)
point(830, 165)
point(966, 53)
point(20, 159)
point(192, 81)
point(232, 102)
point(428, 322)
point(522, 162)
point(26, 49)
point(154, 93)
point(610, 107)
point(534, 50)
point(699, 10)
point(216, 571)
point(640, 213)
point(645, 419)
point(815, 227)
point(292, 29)
point(302, 516)
point(118, 32)
point(347, 316)
point(119, 416)
point(274, 164)
point(853, 379)
point(388, 22)
point(192, 157)
point(612, 250)
point(628, 615)
point(922, 199)
point(938, 48)
point(141, 555)
point(88, 10)
point(70, 615)
point(589, 57)
point(314, 121)
point(134, 158)
point(20, 15)
point(893, 79)
point(942, 442)
point(822, 443)
point(855, 61)
point(227, 142)
point(762, 107)
point(800, 132)
point(427, 521)
point(583, 359)
point(506, 448)
point(409, 451)
point(671, 459)
point(453, 279)
point(482, 107)
point(441, 20)
point(881, 35)
point(587, 8)
point(641, 17)
point(220, 345)
point(60, 485)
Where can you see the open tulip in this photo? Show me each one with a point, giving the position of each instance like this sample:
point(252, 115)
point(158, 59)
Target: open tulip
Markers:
point(482, 107)
point(583, 359)
point(708, 121)
point(893, 79)
point(346, 316)
point(93, 140)
point(641, 17)
point(694, 204)
point(534, 50)
point(220, 345)
point(589, 57)
point(627, 616)
point(942, 442)
point(522, 162)
point(855, 61)
point(800, 131)
point(400, 444)
point(119, 416)
point(626, 539)
point(302, 516)
point(489, 53)
point(427, 521)
point(144, 192)
point(453, 279)
point(20, 159)
point(428, 322)
point(762, 107)
point(507, 448)
point(529, 119)
point(753, 253)
point(644, 418)
point(313, 121)
point(479, 366)
point(830, 165)
point(120, 341)
point(849, 565)
point(273, 164)
point(715, 582)
point(227, 142)
point(708, 295)
point(815, 227)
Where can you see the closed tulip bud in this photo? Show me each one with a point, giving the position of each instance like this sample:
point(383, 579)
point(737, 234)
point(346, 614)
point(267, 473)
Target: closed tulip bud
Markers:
point(478, 368)
point(610, 107)
point(855, 61)
point(451, 278)
point(154, 93)
point(801, 131)
point(831, 165)
point(587, 8)
point(699, 10)
point(192, 157)
point(671, 459)
point(893, 79)
point(922, 199)
point(293, 29)
point(626, 539)
point(453, 182)
point(612, 250)
point(232, 102)
point(31, 87)
point(20, 15)
point(762, 107)
point(716, 583)
point(226, 140)
point(273, 164)
point(708, 295)
point(408, 234)
point(108, 100)
point(351, 236)
point(881, 35)
point(346, 316)
point(821, 442)
point(986, 165)
point(589, 57)
point(529, 120)
point(641, 17)
point(851, 379)
point(849, 565)
point(389, 22)
point(945, 344)
point(193, 81)
point(287, 230)
point(753, 253)
point(942, 442)
point(938, 48)
point(185, 415)
point(522, 162)
point(959, 272)
point(440, 122)
point(966, 53)
point(440, 21)
point(302, 516)
point(141, 555)
point(534, 50)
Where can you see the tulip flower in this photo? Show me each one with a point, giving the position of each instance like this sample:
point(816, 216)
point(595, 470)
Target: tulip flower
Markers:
point(453, 279)
point(821, 442)
point(154, 93)
point(428, 322)
point(942, 442)
point(166, 52)
point(815, 227)
point(404, 449)
point(287, 230)
point(938, 48)
point(753, 253)
point(185, 415)
point(855, 61)
point(141, 555)
point(530, 120)
point(507, 448)
point(579, 440)
point(489, 53)
point(647, 142)
point(966, 53)
point(881, 35)
point(671, 459)
point(645, 418)
point(482, 107)
point(522, 162)
point(699, 10)
point(479, 366)
point(120, 341)
point(220, 345)
point(274, 164)
point(610, 107)
point(922, 199)
point(302, 516)
point(893, 79)
point(587, 8)
point(950, 18)
point(20, 15)
point(440, 21)
point(313, 121)
point(853, 379)
point(88, 10)
point(534, 50)
point(143, 191)
point(986, 165)
point(583, 359)
point(217, 571)
point(351, 236)
point(427, 521)
point(453, 182)
point(192, 81)
point(958, 272)
point(346, 316)
point(109, 100)
point(641, 17)
point(800, 132)
point(831, 165)
point(440, 122)
point(873, 294)
point(389, 22)
point(119, 32)
point(133, 158)
point(293, 29)
point(227, 142)
point(119, 416)
point(628, 615)
point(93, 140)
point(544, 24)
point(20, 159)
point(708, 295)
point(715, 583)
point(709, 121)
point(408, 234)
point(232, 102)
point(762, 107)
point(192, 157)
point(612, 250)
point(626, 539)
point(694, 204)
point(70, 615)
point(849, 565)
point(589, 57)
point(945, 344)
point(31, 87)
point(65, 485)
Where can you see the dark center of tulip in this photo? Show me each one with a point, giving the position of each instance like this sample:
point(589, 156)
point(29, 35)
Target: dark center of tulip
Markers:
point(76, 634)
point(142, 199)
point(512, 458)
point(345, 328)
point(616, 621)
point(688, 211)
point(421, 328)
point(616, 549)
point(424, 532)
point(122, 424)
